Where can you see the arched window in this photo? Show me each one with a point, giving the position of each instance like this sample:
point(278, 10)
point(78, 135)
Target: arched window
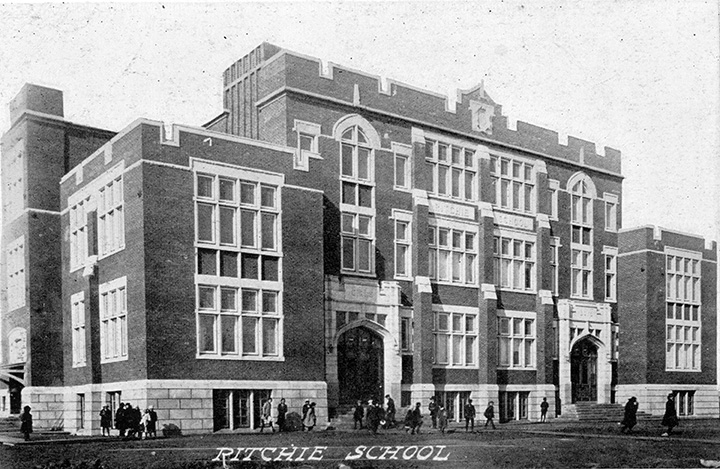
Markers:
point(357, 140)
point(582, 193)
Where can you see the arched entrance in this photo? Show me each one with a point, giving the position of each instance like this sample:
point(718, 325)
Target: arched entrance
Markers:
point(583, 371)
point(360, 365)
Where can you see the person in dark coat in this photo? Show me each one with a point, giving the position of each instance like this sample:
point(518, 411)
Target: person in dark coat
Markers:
point(282, 409)
point(433, 408)
point(670, 418)
point(390, 412)
point(490, 415)
point(105, 420)
point(151, 427)
point(133, 419)
point(442, 419)
point(470, 416)
point(358, 415)
point(543, 410)
point(374, 415)
point(305, 409)
point(26, 422)
point(415, 419)
point(630, 418)
point(121, 420)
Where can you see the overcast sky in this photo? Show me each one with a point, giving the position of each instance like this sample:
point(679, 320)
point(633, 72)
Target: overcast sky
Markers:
point(641, 77)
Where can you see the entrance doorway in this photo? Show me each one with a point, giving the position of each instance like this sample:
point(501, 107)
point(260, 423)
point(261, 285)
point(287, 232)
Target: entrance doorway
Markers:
point(583, 371)
point(360, 366)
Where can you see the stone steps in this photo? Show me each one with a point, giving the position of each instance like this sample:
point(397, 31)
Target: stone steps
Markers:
point(591, 411)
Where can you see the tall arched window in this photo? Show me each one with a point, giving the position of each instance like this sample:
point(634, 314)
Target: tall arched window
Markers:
point(582, 193)
point(357, 205)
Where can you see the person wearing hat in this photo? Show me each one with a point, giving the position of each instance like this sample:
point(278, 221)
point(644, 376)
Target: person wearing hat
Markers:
point(630, 418)
point(26, 422)
point(151, 428)
point(305, 409)
point(670, 419)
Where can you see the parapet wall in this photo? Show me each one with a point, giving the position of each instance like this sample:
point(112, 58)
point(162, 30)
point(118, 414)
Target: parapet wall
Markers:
point(277, 70)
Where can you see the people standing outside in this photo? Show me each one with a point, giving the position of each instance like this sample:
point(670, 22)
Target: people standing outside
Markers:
point(134, 418)
point(267, 415)
point(543, 410)
point(121, 420)
point(390, 412)
point(282, 409)
point(470, 416)
point(433, 408)
point(670, 418)
point(305, 409)
point(416, 419)
point(310, 419)
point(358, 415)
point(145, 425)
point(105, 420)
point(374, 415)
point(630, 417)
point(442, 419)
point(26, 422)
point(151, 427)
point(490, 415)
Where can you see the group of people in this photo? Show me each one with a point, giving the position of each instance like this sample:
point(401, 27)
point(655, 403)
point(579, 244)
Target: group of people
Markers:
point(309, 418)
point(670, 418)
point(439, 417)
point(374, 416)
point(129, 421)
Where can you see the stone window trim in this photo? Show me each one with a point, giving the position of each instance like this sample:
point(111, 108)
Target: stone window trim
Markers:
point(454, 167)
point(307, 146)
point(402, 225)
point(459, 248)
point(611, 212)
point(683, 318)
point(402, 167)
point(582, 196)
point(520, 337)
point(554, 189)
point(456, 328)
point(77, 317)
point(514, 182)
point(113, 321)
point(511, 259)
point(610, 254)
point(15, 265)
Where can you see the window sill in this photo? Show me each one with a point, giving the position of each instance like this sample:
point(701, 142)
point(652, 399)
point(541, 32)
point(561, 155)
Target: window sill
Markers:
point(511, 290)
point(514, 368)
point(452, 284)
point(239, 358)
point(79, 365)
point(456, 367)
point(110, 253)
point(358, 274)
point(403, 189)
point(105, 361)
point(682, 371)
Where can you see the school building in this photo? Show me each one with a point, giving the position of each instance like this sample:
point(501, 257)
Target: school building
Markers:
point(334, 236)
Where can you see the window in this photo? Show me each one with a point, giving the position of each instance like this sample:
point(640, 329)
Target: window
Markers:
point(237, 228)
point(77, 311)
point(685, 402)
point(238, 281)
point(81, 411)
point(455, 339)
point(238, 322)
point(454, 403)
point(516, 340)
point(406, 335)
point(78, 234)
point(610, 273)
point(113, 321)
point(403, 258)
point(402, 171)
point(514, 263)
point(553, 189)
point(453, 170)
point(513, 181)
point(554, 262)
point(16, 274)
point(581, 241)
point(357, 202)
point(611, 205)
point(514, 405)
point(14, 186)
point(683, 310)
point(453, 254)
point(111, 226)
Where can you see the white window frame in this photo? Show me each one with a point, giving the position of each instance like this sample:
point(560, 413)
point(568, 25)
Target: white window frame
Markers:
point(467, 338)
point(582, 198)
point(79, 234)
point(555, 265)
point(611, 212)
point(13, 178)
point(254, 182)
point(521, 337)
point(509, 257)
point(610, 255)
point(77, 314)
point(554, 189)
point(515, 191)
point(113, 323)
point(402, 152)
point(402, 218)
point(406, 335)
point(683, 317)
point(361, 236)
point(16, 288)
point(444, 166)
point(453, 252)
point(111, 217)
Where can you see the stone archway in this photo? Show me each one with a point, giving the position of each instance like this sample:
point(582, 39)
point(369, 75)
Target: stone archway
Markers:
point(584, 371)
point(360, 366)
